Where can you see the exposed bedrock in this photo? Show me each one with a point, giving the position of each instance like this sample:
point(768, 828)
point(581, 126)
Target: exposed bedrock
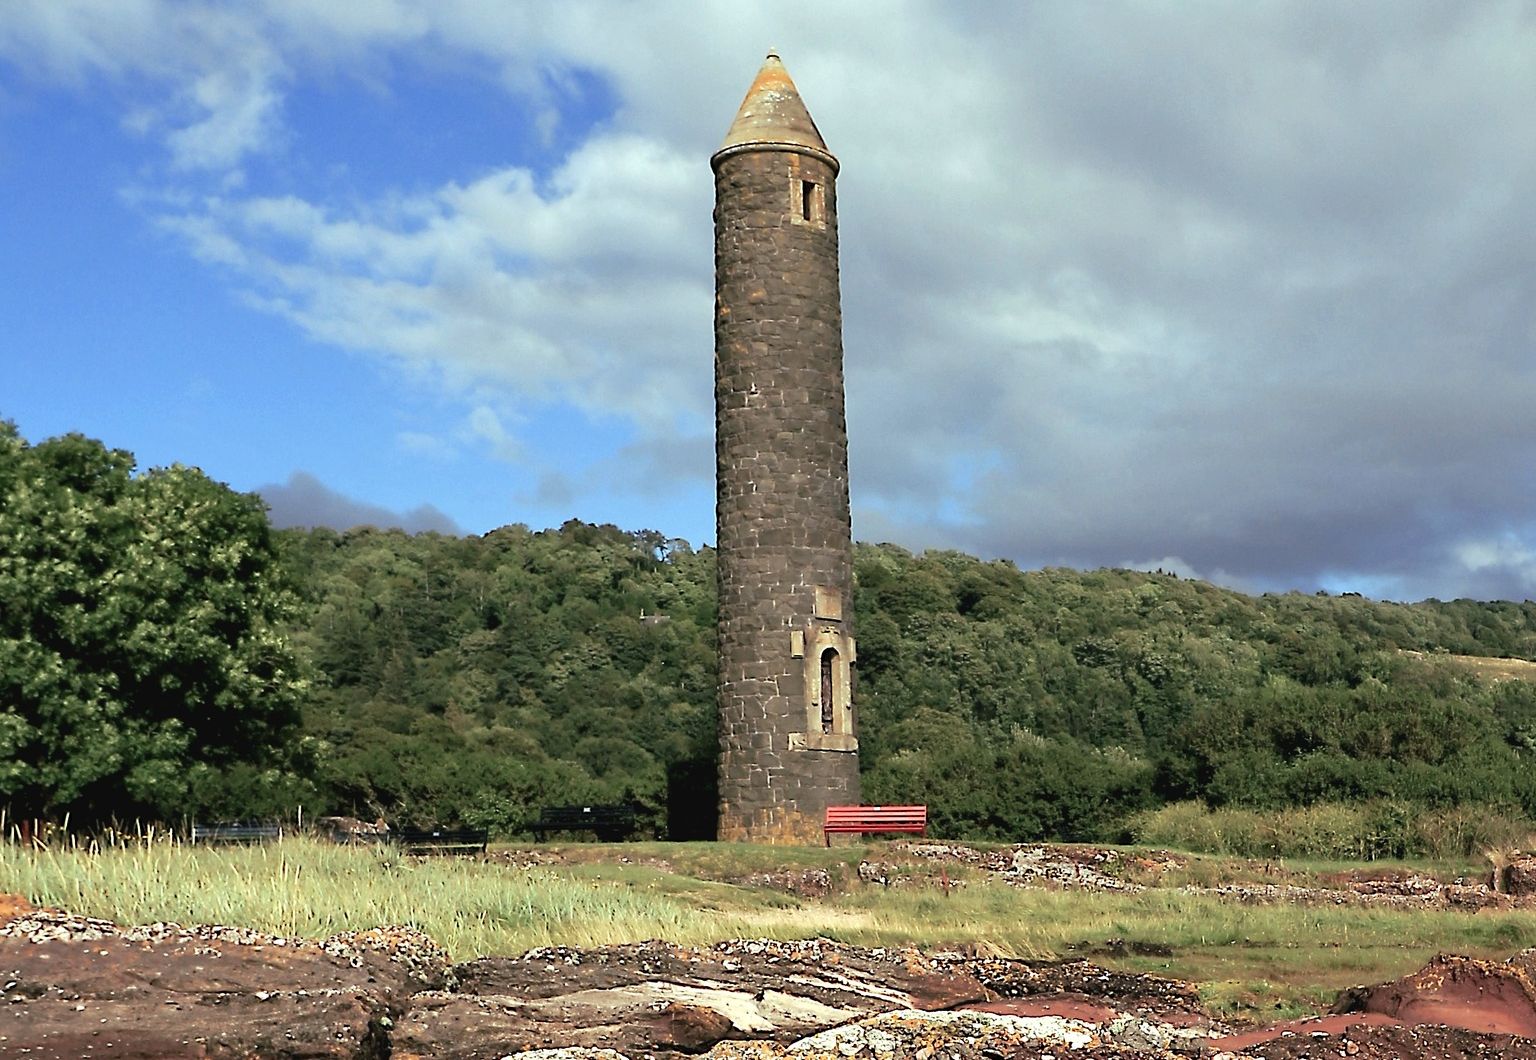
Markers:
point(76, 987)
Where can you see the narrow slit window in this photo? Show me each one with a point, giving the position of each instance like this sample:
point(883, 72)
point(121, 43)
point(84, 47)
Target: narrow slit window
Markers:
point(828, 689)
point(807, 200)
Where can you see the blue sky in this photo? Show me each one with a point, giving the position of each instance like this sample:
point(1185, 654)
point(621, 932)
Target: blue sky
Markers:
point(116, 330)
point(1241, 291)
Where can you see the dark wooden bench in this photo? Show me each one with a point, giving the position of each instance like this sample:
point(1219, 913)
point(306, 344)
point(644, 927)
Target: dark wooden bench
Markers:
point(863, 820)
point(234, 832)
point(609, 823)
point(441, 840)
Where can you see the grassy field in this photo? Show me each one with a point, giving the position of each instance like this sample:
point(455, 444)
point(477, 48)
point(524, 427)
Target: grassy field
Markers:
point(1261, 960)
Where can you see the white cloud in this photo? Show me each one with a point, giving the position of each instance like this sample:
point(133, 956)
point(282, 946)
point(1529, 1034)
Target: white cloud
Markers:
point(208, 79)
point(73, 40)
point(587, 293)
point(424, 444)
point(485, 426)
point(236, 113)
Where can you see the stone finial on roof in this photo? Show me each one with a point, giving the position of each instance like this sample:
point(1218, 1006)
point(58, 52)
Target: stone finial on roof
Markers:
point(773, 115)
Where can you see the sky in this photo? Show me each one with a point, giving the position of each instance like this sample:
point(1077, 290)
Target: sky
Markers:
point(1246, 291)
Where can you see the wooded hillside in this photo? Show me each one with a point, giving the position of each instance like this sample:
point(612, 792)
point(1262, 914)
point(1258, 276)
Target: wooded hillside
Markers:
point(477, 679)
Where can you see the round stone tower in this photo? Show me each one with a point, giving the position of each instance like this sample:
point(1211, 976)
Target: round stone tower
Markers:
point(788, 747)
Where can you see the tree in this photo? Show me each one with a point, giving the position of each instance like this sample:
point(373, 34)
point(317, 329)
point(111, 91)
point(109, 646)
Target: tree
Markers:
point(140, 653)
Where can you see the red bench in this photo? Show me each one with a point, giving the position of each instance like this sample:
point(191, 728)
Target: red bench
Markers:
point(861, 820)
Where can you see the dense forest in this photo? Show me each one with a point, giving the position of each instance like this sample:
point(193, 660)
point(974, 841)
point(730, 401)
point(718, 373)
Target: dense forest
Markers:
point(164, 652)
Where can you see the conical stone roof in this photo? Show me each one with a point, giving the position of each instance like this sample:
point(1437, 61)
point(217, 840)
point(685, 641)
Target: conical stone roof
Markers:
point(773, 117)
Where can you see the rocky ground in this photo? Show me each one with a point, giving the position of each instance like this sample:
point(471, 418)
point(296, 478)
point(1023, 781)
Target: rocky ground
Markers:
point(77, 987)
point(1110, 870)
point(1106, 869)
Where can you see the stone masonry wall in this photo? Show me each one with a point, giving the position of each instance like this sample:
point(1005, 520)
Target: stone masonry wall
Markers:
point(782, 490)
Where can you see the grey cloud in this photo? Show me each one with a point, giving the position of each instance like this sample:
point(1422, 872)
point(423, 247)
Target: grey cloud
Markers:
point(1289, 344)
point(555, 490)
point(305, 501)
point(657, 468)
point(659, 465)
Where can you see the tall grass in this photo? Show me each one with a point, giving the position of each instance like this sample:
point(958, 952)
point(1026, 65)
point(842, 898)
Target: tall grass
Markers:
point(304, 888)
point(1342, 831)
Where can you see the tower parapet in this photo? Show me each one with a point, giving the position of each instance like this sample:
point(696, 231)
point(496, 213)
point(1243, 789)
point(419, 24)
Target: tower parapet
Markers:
point(788, 735)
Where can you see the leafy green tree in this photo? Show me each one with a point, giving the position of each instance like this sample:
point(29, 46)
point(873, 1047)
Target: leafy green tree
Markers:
point(140, 644)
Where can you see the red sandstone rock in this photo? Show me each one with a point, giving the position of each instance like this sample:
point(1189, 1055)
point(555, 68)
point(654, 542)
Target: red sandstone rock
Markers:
point(1456, 991)
point(79, 987)
point(695, 1028)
